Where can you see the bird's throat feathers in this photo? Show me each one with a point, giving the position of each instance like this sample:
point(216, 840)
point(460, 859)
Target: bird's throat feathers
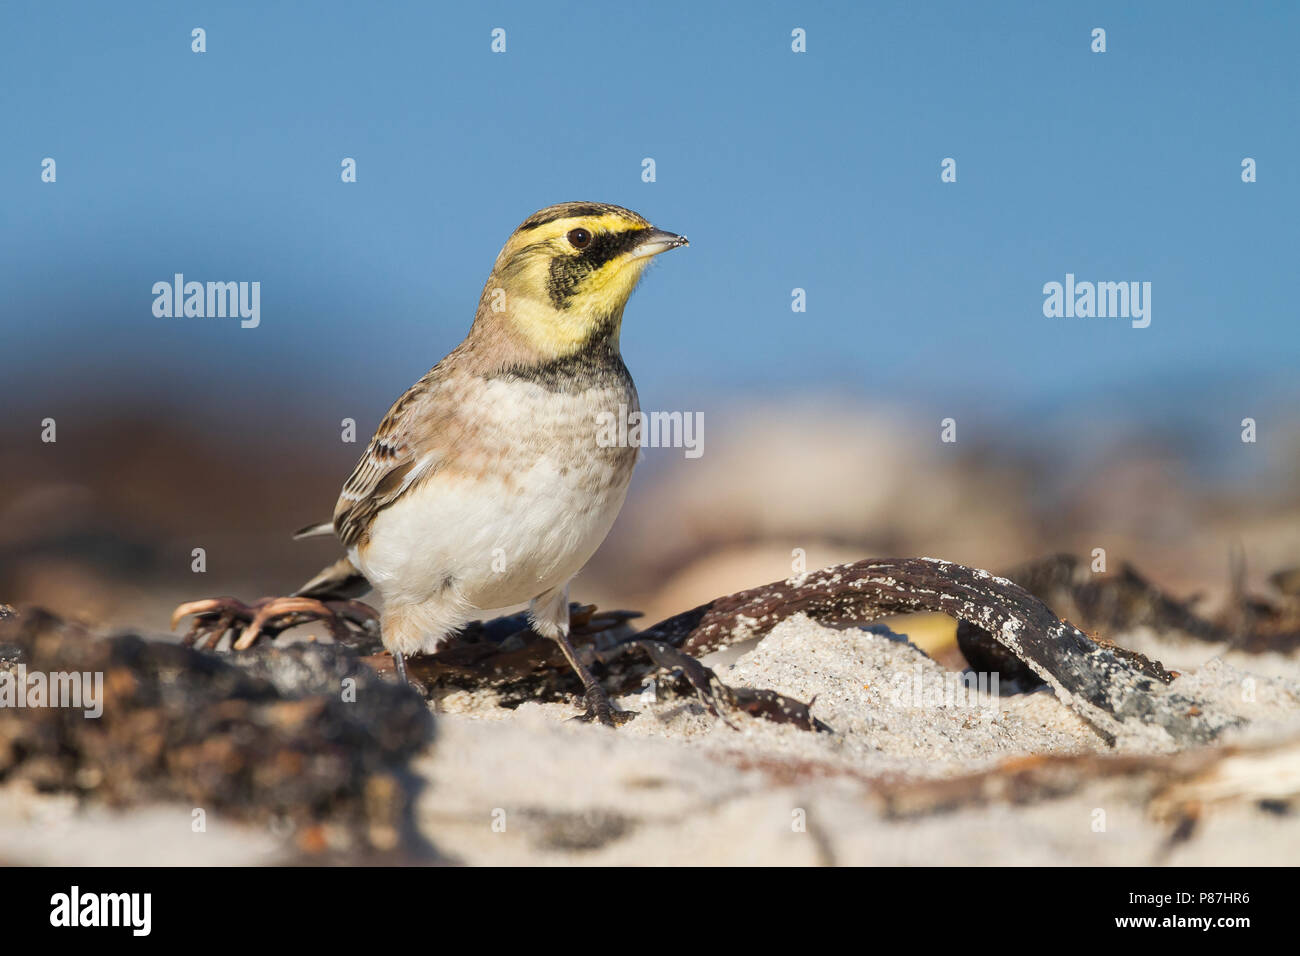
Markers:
point(556, 298)
point(551, 332)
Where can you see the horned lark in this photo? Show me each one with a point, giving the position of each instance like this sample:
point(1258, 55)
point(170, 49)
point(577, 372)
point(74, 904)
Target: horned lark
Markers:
point(485, 484)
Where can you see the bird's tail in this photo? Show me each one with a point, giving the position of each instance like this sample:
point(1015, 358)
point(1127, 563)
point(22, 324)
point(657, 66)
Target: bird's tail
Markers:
point(340, 581)
point(312, 530)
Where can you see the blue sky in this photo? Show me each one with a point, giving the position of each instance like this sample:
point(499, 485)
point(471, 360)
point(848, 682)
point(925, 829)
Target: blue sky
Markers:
point(817, 170)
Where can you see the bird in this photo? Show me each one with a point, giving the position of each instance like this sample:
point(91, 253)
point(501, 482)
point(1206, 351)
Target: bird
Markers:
point(486, 484)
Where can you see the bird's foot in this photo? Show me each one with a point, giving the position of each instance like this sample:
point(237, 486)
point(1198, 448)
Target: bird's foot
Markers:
point(399, 664)
point(599, 709)
point(348, 621)
point(598, 705)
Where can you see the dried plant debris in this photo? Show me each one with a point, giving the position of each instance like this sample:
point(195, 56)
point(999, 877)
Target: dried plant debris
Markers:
point(314, 734)
point(1175, 791)
point(1126, 600)
point(1112, 603)
point(520, 665)
point(1123, 695)
point(1172, 787)
point(1256, 623)
point(304, 738)
point(1109, 602)
point(719, 699)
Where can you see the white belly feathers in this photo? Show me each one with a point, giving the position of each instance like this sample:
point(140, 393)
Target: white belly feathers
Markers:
point(519, 518)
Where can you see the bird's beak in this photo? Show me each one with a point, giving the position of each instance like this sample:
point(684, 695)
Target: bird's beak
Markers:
point(656, 241)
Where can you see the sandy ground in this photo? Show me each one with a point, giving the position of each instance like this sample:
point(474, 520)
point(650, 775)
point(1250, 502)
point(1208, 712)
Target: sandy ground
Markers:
point(677, 786)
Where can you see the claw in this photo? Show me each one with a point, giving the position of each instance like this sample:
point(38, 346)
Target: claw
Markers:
point(205, 606)
point(608, 717)
point(600, 710)
point(206, 637)
point(213, 617)
point(272, 609)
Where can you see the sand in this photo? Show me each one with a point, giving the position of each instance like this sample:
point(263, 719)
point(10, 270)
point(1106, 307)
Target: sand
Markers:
point(678, 786)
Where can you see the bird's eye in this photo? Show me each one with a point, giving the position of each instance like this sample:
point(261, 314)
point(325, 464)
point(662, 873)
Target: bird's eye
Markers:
point(580, 238)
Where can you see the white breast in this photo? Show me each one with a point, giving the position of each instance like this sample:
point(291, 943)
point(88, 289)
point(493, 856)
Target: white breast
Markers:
point(518, 514)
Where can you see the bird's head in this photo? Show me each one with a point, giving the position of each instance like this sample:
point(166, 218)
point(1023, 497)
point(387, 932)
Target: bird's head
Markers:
point(564, 276)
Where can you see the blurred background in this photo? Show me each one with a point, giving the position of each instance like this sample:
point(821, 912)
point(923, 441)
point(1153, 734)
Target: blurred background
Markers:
point(817, 170)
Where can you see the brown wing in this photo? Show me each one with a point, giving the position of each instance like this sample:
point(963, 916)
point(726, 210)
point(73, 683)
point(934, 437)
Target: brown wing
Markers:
point(398, 455)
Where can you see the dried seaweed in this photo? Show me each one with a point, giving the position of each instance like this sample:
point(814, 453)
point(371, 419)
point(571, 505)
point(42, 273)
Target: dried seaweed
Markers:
point(265, 734)
point(297, 736)
point(1120, 693)
point(718, 698)
point(1171, 786)
point(1125, 600)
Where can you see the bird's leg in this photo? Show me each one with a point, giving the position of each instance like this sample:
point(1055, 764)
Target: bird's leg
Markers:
point(400, 663)
point(550, 616)
point(598, 705)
